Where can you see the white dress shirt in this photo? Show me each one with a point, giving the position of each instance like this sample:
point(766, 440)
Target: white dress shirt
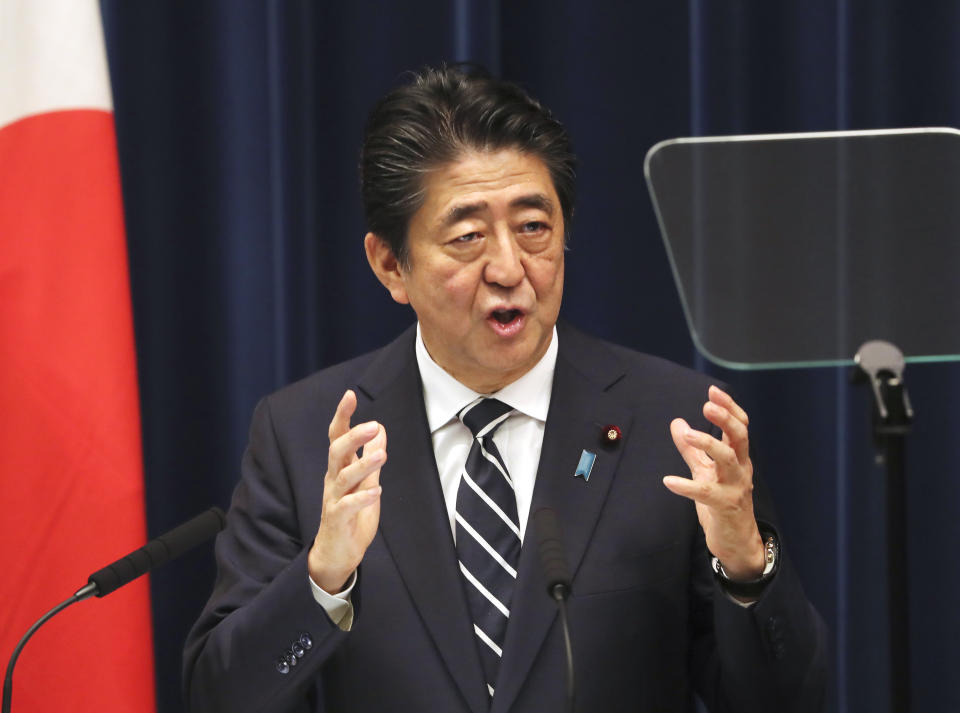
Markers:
point(519, 440)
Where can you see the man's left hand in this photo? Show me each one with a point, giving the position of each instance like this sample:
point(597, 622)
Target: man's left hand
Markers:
point(721, 485)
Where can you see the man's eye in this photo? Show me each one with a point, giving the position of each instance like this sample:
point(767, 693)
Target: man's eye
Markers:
point(468, 238)
point(533, 226)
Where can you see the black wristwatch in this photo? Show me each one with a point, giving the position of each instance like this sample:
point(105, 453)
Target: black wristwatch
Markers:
point(753, 587)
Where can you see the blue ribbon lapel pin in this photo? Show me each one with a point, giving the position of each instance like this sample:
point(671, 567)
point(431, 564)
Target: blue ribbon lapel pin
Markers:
point(587, 459)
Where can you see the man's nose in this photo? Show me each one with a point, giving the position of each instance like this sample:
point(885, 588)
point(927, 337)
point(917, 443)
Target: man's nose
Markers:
point(504, 266)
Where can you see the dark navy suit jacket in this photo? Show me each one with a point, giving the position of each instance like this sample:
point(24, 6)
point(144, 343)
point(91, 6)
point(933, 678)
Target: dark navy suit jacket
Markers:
point(649, 624)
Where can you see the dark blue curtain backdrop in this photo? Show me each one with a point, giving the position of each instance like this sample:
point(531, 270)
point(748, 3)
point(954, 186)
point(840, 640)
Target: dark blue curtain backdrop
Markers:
point(239, 123)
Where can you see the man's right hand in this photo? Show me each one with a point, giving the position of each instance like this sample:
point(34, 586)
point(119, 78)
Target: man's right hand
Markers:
point(351, 498)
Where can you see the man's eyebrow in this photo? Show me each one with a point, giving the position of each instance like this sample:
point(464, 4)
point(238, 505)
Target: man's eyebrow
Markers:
point(466, 210)
point(534, 200)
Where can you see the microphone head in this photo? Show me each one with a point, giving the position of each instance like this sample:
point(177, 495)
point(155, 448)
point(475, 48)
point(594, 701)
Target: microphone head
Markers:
point(550, 548)
point(167, 546)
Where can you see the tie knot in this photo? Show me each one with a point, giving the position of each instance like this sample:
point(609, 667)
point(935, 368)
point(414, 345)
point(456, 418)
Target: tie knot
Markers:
point(484, 416)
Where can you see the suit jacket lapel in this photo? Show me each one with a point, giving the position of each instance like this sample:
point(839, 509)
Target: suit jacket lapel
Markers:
point(413, 520)
point(580, 406)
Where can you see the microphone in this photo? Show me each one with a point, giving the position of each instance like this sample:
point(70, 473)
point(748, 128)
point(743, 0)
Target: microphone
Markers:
point(553, 561)
point(552, 558)
point(168, 546)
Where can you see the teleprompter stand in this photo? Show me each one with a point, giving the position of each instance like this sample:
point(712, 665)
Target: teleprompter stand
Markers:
point(881, 364)
point(800, 250)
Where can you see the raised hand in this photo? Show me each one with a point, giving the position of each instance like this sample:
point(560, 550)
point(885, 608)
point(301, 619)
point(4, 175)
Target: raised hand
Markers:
point(351, 497)
point(721, 485)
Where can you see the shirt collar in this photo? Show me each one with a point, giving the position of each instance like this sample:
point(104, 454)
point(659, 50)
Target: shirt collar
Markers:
point(444, 396)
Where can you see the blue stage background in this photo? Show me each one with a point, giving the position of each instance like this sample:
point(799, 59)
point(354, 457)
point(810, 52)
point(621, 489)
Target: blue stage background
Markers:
point(239, 123)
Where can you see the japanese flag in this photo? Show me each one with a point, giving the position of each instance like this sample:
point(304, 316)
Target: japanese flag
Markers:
point(71, 481)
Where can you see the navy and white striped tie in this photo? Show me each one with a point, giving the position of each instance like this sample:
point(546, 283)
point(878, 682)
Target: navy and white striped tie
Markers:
point(488, 533)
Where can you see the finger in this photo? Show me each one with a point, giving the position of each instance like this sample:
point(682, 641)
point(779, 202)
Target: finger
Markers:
point(379, 443)
point(693, 456)
point(701, 491)
point(690, 454)
point(722, 398)
point(341, 417)
point(349, 505)
point(721, 453)
point(350, 477)
point(343, 450)
point(734, 431)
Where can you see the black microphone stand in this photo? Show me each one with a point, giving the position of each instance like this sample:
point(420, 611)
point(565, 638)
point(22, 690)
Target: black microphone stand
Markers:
point(560, 592)
point(169, 545)
point(554, 564)
point(85, 592)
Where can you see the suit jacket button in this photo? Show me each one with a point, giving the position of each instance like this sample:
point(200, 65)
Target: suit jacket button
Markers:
point(283, 666)
point(290, 658)
point(779, 651)
point(298, 650)
point(305, 641)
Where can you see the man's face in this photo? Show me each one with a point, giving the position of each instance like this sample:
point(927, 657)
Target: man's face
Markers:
point(485, 268)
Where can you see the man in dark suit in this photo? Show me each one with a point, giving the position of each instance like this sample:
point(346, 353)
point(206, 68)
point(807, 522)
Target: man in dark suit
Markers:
point(350, 582)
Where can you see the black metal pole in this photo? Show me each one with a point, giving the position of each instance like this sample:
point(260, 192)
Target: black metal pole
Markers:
point(882, 364)
point(893, 445)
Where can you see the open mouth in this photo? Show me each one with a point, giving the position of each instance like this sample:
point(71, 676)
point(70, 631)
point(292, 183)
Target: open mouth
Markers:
point(506, 322)
point(505, 316)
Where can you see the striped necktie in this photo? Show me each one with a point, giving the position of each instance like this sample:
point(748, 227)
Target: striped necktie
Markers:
point(488, 533)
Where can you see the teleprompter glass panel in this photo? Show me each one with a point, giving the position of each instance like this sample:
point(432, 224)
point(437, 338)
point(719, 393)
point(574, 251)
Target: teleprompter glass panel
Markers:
point(795, 249)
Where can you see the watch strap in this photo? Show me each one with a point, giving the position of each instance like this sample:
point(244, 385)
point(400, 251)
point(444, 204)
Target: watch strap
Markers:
point(753, 587)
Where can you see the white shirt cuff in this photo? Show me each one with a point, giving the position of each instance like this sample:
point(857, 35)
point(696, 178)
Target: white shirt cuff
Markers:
point(745, 605)
point(338, 606)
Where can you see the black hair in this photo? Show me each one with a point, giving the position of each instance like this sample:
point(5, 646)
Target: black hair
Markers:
point(441, 114)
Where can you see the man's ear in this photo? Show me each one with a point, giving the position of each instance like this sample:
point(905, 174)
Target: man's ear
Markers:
point(386, 267)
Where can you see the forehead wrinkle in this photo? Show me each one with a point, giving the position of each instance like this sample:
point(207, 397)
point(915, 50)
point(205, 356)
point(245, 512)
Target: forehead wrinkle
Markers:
point(464, 210)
